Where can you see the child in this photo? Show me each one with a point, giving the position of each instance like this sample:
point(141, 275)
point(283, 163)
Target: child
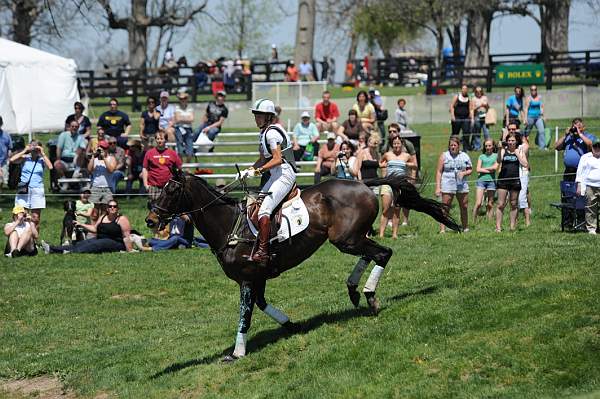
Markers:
point(83, 207)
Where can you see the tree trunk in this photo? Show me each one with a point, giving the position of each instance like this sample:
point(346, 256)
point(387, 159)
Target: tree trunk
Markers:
point(24, 14)
point(305, 31)
point(137, 31)
point(478, 41)
point(554, 15)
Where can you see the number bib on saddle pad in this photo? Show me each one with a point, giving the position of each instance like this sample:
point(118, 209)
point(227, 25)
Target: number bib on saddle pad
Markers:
point(294, 219)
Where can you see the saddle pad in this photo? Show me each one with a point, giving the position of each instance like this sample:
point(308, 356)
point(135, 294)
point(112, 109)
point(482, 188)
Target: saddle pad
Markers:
point(294, 219)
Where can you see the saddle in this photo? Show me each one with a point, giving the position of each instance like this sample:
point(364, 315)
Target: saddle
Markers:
point(253, 205)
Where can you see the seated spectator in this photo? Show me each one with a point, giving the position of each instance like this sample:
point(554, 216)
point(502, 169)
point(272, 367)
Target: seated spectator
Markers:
point(305, 135)
point(367, 160)
point(121, 168)
point(85, 126)
point(101, 166)
point(83, 207)
point(184, 117)
point(326, 158)
point(291, 72)
point(135, 164)
point(402, 115)
point(181, 234)
point(213, 119)
point(21, 233)
point(157, 166)
point(365, 110)
point(5, 154)
point(149, 123)
point(115, 123)
point(576, 142)
point(112, 235)
point(167, 114)
point(351, 128)
point(345, 163)
point(92, 144)
point(588, 184)
point(327, 114)
point(66, 149)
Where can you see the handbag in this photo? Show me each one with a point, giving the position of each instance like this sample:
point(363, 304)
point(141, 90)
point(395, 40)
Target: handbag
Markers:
point(491, 117)
point(309, 152)
point(23, 188)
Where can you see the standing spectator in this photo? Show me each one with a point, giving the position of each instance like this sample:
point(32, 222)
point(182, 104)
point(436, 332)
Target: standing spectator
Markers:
point(21, 234)
point(184, 117)
point(453, 167)
point(509, 184)
point(513, 112)
point(351, 128)
point(345, 162)
point(576, 142)
point(534, 109)
point(149, 123)
point(306, 71)
point(66, 149)
point(157, 165)
point(402, 115)
point(305, 133)
point(524, 194)
point(588, 184)
point(120, 157)
point(487, 164)
point(367, 161)
point(101, 166)
point(481, 106)
point(115, 123)
point(5, 154)
point(167, 113)
point(461, 116)
point(365, 110)
point(327, 114)
point(326, 158)
point(407, 146)
point(85, 126)
point(32, 175)
point(135, 164)
point(291, 72)
point(213, 119)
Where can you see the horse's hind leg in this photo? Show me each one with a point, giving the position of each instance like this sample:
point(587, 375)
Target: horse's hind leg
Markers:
point(247, 299)
point(272, 311)
point(354, 279)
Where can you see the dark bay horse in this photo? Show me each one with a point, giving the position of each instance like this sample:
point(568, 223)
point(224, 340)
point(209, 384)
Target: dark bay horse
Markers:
point(341, 211)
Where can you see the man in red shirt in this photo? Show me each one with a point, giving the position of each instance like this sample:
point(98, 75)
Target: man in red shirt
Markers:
point(326, 114)
point(157, 165)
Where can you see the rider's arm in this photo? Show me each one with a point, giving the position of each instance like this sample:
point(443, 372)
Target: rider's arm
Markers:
point(275, 160)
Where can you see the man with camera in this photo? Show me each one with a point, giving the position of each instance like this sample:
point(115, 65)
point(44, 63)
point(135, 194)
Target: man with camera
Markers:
point(101, 165)
point(576, 142)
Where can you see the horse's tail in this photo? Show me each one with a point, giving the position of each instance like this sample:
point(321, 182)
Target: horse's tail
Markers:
point(407, 196)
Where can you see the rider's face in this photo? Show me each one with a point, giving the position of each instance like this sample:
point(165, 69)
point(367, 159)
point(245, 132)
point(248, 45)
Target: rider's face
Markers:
point(260, 119)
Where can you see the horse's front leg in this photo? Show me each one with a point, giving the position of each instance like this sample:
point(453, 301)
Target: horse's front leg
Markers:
point(272, 311)
point(247, 300)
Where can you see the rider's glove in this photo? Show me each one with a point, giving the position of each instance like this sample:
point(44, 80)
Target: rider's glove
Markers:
point(249, 172)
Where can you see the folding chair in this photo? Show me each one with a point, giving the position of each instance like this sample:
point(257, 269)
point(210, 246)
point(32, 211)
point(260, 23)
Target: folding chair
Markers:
point(572, 207)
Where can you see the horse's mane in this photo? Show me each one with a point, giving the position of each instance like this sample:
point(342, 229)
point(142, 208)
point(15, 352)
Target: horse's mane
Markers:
point(225, 199)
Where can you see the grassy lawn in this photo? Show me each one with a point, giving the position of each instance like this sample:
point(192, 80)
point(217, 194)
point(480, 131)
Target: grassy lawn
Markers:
point(469, 315)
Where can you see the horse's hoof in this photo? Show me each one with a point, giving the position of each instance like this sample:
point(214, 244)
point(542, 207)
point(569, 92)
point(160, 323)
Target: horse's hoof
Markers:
point(291, 327)
point(229, 359)
point(373, 302)
point(354, 295)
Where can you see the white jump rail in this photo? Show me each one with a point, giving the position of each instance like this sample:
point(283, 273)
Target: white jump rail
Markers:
point(232, 164)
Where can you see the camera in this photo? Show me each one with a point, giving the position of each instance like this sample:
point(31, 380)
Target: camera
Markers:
point(573, 130)
point(341, 155)
point(98, 154)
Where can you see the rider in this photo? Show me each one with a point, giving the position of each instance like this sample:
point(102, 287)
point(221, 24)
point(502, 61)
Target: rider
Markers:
point(277, 158)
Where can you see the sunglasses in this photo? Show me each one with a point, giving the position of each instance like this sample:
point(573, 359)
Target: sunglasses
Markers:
point(392, 131)
point(113, 206)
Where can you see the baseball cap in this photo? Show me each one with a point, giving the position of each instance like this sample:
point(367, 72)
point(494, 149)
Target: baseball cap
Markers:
point(377, 93)
point(18, 209)
point(86, 191)
point(273, 45)
point(164, 93)
point(595, 142)
point(103, 144)
point(305, 114)
point(221, 93)
point(330, 136)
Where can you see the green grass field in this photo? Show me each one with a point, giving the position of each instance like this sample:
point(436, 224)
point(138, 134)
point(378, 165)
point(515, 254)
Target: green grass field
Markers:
point(469, 315)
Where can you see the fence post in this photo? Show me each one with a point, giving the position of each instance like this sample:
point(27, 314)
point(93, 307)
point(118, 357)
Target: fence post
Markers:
point(428, 88)
point(488, 78)
point(91, 84)
point(194, 84)
point(548, 76)
point(555, 151)
point(134, 96)
point(119, 84)
point(249, 87)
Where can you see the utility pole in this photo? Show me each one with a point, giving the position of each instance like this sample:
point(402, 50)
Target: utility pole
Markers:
point(305, 31)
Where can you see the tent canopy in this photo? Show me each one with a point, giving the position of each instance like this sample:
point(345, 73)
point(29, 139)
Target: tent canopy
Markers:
point(37, 89)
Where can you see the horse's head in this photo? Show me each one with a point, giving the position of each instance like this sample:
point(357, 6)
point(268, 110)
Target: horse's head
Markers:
point(169, 203)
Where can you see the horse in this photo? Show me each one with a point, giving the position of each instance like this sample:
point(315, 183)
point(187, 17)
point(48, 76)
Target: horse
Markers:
point(341, 211)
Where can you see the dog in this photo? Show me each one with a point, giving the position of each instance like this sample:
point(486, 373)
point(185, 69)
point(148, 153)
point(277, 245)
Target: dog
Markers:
point(70, 234)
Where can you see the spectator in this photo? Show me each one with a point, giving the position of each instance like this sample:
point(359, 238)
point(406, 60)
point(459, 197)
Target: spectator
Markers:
point(524, 194)
point(85, 126)
point(121, 168)
point(112, 235)
point(453, 167)
point(480, 109)
point(402, 115)
point(534, 109)
point(408, 146)
point(345, 162)
point(513, 112)
point(157, 165)
point(487, 164)
point(362, 144)
point(101, 166)
point(83, 207)
point(327, 114)
point(326, 158)
point(92, 145)
point(68, 143)
point(365, 110)
point(381, 114)
point(167, 113)
point(461, 116)
point(5, 154)
point(351, 128)
point(588, 184)
point(509, 183)
point(32, 175)
point(181, 234)
point(395, 162)
point(291, 72)
point(184, 117)
point(149, 123)
point(306, 71)
point(367, 161)
point(115, 123)
point(305, 138)
point(135, 164)
point(21, 233)
point(576, 142)
point(213, 119)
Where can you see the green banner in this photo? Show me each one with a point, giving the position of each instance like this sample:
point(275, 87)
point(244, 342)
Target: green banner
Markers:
point(522, 74)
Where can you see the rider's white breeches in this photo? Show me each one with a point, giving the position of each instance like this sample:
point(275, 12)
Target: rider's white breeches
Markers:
point(281, 182)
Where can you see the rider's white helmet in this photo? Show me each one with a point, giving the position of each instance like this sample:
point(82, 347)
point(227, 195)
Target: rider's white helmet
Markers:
point(264, 106)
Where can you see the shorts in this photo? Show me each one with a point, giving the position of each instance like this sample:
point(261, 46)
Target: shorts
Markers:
point(68, 163)
point(523, 203)
point(386, 190)
point(101, 195)
point(451, 186)
point(34, 199)
point(154, 192)
point(5, 172)
point(510, 184)
point(488, 185)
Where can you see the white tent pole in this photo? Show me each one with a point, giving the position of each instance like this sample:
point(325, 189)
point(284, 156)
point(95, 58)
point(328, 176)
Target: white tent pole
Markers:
point(30, 124)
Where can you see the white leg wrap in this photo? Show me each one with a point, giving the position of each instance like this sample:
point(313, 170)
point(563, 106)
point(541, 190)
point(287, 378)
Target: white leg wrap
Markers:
point(240, 345)
point(276, 314)
point(358, 271)
point(373, 280)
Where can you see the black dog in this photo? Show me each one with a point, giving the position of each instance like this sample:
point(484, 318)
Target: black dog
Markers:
point(68, 225)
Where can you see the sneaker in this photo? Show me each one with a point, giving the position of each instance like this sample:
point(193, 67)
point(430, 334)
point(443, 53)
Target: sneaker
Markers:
point(15, 253)
point(404, 223)
point(45, 246)
point(8, 255)
point(592, 232)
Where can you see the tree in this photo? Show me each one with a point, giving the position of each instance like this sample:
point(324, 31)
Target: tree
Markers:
point(172, 13)
point(305, 30)
point(554, 24)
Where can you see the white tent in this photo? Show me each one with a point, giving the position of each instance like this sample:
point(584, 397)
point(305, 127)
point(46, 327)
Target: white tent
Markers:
point(37, 89)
